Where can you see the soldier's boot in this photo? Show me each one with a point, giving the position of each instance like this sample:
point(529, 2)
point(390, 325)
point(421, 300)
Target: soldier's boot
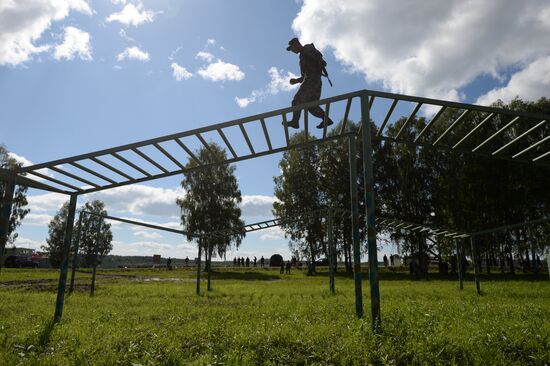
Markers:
point(322, 124)
point(295, 122)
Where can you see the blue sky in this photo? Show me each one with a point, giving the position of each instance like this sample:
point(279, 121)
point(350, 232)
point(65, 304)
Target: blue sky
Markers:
point(78, 76)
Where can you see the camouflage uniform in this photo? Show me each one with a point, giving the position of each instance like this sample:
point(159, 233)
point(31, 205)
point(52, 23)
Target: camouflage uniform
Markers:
point(310, 90)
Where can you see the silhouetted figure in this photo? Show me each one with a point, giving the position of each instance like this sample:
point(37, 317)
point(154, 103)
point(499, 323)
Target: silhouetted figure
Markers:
point(282, 270)
point(247, 262)
point(262, 261)
point(242, 261)
point(312, 67)
point(169, 264)
point(235, 262)
point(186, 261)
point(288, 265)
point(255, 260)
point(385, 260)
point(391, 260)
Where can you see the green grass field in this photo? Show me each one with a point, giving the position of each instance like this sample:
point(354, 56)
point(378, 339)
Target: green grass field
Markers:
point(147, 317)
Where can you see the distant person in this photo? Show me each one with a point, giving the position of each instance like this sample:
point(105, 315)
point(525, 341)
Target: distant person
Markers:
point(234, 261)
point(391, 260)
point(312, 67)
point(385, 260)
point(242, 261)
point(262, 261)
point(186, 261)
point(282, 270)
point(247, 262)
point(288, 266)
point(255, 260)
point(169, 264)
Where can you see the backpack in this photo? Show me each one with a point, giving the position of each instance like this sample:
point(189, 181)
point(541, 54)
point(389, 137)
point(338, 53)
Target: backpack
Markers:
point(316, 60)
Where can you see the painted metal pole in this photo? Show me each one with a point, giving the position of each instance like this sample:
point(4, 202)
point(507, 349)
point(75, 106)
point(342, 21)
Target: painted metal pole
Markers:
point(65, 259)
point(476, 265)
point(209, 263)
point(5, 215)
point(459, 264)
point(331, 252)
point(370, 212)
point(199, 268)
point(96, 253)
point(355, 227)
point(75, 252)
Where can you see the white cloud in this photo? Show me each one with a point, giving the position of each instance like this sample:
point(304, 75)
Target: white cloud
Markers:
point(22, 23)
point(221, 71)
point(272, 233)
point(33, 219)
point(210, 42)
point(279, 82)
point(206, 56)
point(257, 206)
point(180, 72)
point(133, 53)
point(122, 33)
point(148, 234)
point(433, 48)
point(119, 2)
point(530, 83)
point(75, 42)
point(150, 248)
point(132, 15)
point(46, 201)
point(21, 242)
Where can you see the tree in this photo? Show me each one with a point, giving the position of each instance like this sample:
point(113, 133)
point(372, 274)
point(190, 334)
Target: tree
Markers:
point(88, 239)
point(211, 202)
point(19, 205)
point(56, 233)
point(91, 236)
point(298, 191)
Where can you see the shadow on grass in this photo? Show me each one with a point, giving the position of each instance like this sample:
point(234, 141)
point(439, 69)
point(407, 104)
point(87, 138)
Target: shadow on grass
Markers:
point(243, 276)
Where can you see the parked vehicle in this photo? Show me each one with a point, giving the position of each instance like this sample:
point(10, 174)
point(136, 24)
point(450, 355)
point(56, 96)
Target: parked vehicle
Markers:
point(19, 261)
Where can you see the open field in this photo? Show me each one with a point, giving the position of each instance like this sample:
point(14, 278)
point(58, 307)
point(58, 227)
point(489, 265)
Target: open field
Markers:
point(152, 317)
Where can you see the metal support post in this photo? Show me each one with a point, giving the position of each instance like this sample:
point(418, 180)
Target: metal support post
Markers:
point(331, 252)
point(199, 268)
point(5, 215)
point(459, 264)
point(476, 265)
point(209, 264)
point(65, 259)
point(370, 213)
point(75, 252)
point(355, 227)
point(96, 253)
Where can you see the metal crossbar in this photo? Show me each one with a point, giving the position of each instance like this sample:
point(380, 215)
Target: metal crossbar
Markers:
point(530, 147)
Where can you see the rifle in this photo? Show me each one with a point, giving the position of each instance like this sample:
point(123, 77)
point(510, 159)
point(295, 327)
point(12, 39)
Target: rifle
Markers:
point(325, 74)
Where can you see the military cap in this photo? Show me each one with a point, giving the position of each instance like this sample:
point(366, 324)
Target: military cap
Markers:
point(291, 42)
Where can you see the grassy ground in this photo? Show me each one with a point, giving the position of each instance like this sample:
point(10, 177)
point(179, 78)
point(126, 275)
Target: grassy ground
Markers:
point(152, 317)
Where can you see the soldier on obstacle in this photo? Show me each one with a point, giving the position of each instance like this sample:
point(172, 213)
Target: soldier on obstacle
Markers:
point(312, 67)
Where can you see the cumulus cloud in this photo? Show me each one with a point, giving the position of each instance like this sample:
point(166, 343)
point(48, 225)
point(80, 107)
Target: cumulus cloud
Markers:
point(180, 72)
point(272, 233)
point(75, 43)
point(22, 23)
point(148, 234)
point(205, 56)
point(33, 219)
point(21, 242)
point(278, 82)
point(257, 206)
point(221, 71)
point(434, 48)
point(132, 15)
point(150, 248)
point(133, 53)
point(530, 83)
